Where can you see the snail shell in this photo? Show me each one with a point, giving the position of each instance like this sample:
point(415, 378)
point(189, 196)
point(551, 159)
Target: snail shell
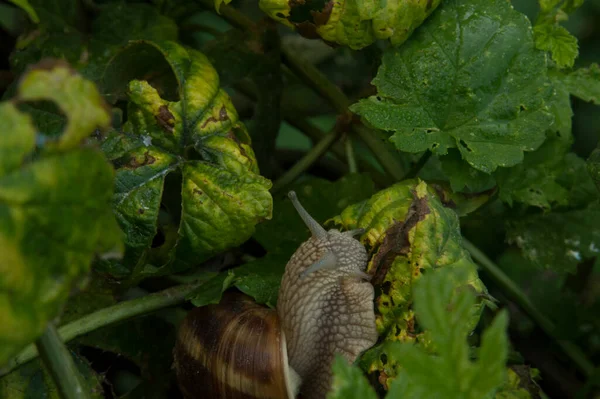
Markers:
point(239, 349)
point(235, 349)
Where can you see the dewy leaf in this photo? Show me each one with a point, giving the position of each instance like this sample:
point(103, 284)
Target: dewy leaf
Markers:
point(558, 41)
point(469, 78)
point(75, 96)
point(584, 83)
point(410, 233)
point(201, 140)
point(349, 382)
point(558, 241)
point(54, 215)
point(449, 373)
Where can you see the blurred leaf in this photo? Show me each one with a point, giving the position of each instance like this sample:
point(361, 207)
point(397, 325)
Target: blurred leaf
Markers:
point(282, 235)
point(54, 213)
point(593, 166)
point(222, 195)
point(24, 4)
point(349, 382)
point(429, 97)
point(559, 42)
point(75, 96)
point(547, 178)
point(356, 24)
point(32, 381)
point(520, 384)
point(558, 241)
point(584, 83)
point(442, 309)
point(410, 233)
point(89, 52)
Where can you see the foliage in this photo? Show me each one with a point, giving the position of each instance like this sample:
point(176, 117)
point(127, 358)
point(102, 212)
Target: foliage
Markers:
point(148, 145)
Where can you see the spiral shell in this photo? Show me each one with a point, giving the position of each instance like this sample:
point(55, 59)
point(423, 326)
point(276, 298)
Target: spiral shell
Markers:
point(235, 349)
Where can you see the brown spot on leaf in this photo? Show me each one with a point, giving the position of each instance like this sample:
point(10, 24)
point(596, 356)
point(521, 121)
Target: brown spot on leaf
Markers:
point(135, 163)
point(198, 192)
point(223, 114)
point(395, 241)
point(165, 118)
point(307, 29)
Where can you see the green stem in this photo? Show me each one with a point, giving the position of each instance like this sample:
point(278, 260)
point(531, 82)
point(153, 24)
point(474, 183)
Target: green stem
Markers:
point(307, 161)
point(350, 155)
point(388, 161)
point(234, 17)
point(512, 291)
point(107, 316)
point(60, 365)
point(316, 80)
point(414, 171)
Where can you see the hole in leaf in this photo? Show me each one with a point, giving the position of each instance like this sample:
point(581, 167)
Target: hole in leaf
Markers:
point(462, 142)
point(386, 287)
point(383, 358)
point(280, 15)
point(159, 238)
point(522, 108)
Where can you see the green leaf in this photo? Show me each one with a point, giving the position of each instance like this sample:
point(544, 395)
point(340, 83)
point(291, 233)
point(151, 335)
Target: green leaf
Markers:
point(593, 166)
point(75, 96)
point(24, 4)
point(349, 382)
point(199, 143)
point(469, 78)
point(584, 83)
point(18, 138)
point(558, 241)
point(54, 211)
point(520, 384)
point(462, 176)
point(548, 177)
point(410, 233)
point(558, 41)
point(33, 381)
point(282, 235)
point(442, 309)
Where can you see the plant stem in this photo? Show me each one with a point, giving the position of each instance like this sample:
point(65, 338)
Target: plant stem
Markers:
point(350, 155)
point(314, 79)
point(512, 291)
point(60, 365)
point(306, 162)
point(107, 316)
point(388, 161)
point(414, 171)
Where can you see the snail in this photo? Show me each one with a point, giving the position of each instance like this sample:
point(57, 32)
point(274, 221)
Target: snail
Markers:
point(240, 349)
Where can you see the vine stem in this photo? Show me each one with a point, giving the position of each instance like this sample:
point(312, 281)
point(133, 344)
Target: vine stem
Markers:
point(60, 365)
point(518, 296)
point(108, 316)
point(317, 151)
point(351, 158)
point(316, 80)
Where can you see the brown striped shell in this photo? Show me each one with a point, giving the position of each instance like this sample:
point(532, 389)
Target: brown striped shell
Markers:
point(235, 349)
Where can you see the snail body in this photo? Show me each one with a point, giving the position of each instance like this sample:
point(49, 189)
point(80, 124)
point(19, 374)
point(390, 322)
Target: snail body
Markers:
point(325, 307)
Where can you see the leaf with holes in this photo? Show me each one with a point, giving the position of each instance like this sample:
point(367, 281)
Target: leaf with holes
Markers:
point(195, 143)
point(469, 78)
